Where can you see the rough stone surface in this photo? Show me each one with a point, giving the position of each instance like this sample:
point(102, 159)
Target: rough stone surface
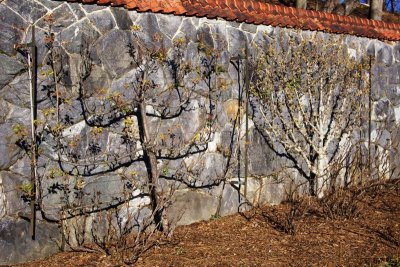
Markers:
point(393, 94)
point(193, 206)
point(17, 92)
point(11, 183)
point(112, 50)
point(12, 29)
point(397, 52)
point(31, 10)
point(16, 246)
point(170, 24)
point(77, 34)
point(103, 21)
point(65, 17)
point(188, 31)
point(50, 3)
point(230, 201)
point(42, 50)
point(77, 10)
point(381, 109)
point(100, 37)
point(8, 146)
point(385, 55)
point(9, 67)
point(121, 15)
point(394, 74)
point(2, 200)
point(92, 8)
point(4, 108)
point(249, 27)
point(261, 158)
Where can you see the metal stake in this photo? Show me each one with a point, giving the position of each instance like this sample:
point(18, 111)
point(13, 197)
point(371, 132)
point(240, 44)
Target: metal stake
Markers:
point(246, 145)
point(369, 116)
point(33, 90)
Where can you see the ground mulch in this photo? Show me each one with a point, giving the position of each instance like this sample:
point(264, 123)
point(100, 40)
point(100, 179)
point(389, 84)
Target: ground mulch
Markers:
point(361, 231)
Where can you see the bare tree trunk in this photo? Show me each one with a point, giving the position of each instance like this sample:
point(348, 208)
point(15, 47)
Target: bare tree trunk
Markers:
point(312, 185)
point(375, 9)
point(150, 160)
point(301, 4)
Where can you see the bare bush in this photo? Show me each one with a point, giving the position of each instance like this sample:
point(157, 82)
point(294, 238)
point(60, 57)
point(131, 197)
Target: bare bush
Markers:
point(284, 220)
point(307, 98)
point(121, 231)
point(341, 204)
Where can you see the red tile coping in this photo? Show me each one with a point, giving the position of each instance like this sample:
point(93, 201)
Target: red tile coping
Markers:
point(256, 12)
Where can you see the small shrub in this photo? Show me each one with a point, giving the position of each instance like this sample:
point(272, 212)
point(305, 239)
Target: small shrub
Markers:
point(341, 204)
point(284, 220)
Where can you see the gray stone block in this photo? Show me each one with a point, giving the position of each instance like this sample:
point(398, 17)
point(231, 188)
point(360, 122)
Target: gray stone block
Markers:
point(99, 78)
point(109, 187)
point(77, 10)
point(262, 40)
point(40, 39)
point(9, 67)
point(22, 166)
point(192, 206)
point(112, 49)
point(396, 51)
point(121, 15)
point(170, 24)
point(379, 82)
point(4, 108)
point(381, 109)
point(31, 10)
point(17, 91)
point(189, 30)
point(81, 33)
point(262, 158)
point(65, 17)
point(230, 201)
point(204, 35)
point(394, 74)
point(51, 3)
point(393, 93)
point(237, 41)
point(384, 55)
point(12, 30)
point(92, 8)
point(249, 27)
point(12, 195)
point(16, 245)
point(103, 21)
point(9, 150)
point(150, 33)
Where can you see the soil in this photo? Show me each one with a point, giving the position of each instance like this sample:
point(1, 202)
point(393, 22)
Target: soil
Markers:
point(355, 227)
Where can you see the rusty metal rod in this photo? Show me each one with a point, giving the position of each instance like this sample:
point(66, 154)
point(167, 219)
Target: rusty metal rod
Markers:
point(246, 145)
point(33, 92)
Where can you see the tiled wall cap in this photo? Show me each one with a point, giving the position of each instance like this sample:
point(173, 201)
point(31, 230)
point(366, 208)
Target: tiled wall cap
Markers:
point(257, 12)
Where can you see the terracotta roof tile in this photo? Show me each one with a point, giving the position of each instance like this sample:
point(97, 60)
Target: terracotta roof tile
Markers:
point(104, 2)
point(112, 2)
point(257, 12)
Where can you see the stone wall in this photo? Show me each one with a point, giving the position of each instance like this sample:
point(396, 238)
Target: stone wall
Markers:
point(109, 31)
